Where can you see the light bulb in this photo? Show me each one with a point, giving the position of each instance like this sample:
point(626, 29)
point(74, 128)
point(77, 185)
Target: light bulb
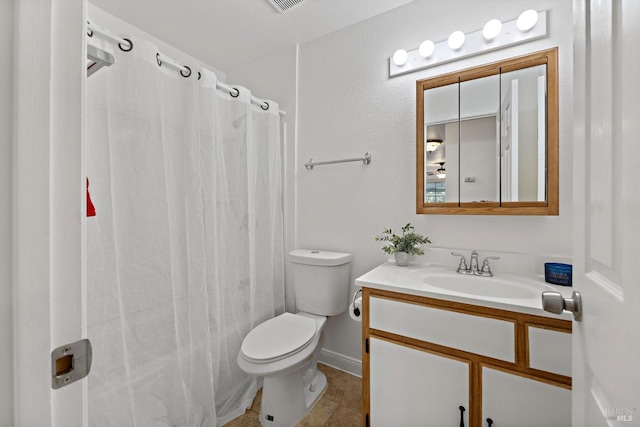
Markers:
point(426, 48)
point(400, 57)
point(491, 30)
point(432, 144)
point(527, 20)
point(456, 40)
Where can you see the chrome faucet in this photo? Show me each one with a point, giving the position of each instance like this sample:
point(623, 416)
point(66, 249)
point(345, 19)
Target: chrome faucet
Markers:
point(462, 267)
point(473, 264)
point(484, 271)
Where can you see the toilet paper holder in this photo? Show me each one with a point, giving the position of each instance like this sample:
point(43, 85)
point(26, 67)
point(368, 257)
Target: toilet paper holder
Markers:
point(355, 309)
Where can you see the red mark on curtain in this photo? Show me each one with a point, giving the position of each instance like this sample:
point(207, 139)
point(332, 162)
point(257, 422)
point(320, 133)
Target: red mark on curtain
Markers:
point(91, 210)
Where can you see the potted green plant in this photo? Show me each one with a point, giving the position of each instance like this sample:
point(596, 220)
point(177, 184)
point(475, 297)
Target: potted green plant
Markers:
point(409, 243)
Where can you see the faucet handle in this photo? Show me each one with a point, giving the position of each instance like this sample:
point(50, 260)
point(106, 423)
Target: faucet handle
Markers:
point(463, 262)
point(485, 265)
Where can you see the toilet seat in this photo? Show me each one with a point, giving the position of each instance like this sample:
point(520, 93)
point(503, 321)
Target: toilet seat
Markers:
point(278, 338)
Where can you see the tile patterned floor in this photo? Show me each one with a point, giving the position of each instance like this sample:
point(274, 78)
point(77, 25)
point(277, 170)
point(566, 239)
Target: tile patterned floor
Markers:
point(339, 406)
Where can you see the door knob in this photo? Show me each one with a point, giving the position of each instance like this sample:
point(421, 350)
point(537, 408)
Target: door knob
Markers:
point(554, 302)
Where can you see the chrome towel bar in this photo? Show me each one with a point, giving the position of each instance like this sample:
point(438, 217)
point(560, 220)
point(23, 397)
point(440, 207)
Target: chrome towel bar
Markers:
point(366, 160)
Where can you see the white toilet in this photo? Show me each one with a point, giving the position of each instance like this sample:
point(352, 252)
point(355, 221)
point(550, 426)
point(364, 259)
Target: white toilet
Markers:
point(284, 350)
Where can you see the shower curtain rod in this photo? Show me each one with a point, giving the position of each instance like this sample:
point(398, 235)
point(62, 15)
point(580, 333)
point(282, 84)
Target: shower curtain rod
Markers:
point(126, 45)
point(91, 29)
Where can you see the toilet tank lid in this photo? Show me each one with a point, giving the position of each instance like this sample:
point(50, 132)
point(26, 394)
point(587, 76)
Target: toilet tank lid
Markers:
point(316, 257)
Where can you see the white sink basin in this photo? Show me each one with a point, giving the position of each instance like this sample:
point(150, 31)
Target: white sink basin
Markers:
point(494, 287)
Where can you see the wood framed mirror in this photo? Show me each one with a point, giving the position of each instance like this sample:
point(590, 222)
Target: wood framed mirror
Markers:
point(487, 139)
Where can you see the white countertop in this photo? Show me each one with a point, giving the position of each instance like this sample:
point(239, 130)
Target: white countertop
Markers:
point(410, 280)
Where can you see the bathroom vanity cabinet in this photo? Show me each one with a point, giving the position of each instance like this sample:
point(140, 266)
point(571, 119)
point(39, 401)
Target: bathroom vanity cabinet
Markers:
point(429, 362)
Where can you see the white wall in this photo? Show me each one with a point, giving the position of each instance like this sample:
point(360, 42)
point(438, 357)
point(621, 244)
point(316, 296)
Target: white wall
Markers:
point(6, 129)
point(348, 105)
point(120, 27)
point(478, 158)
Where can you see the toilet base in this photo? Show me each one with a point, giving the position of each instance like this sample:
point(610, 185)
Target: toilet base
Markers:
point(283, 405)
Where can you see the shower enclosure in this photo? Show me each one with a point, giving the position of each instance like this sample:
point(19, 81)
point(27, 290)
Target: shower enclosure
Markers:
point(185, 253)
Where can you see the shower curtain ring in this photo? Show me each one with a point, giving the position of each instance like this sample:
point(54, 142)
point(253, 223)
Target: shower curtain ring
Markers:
point(89, 32)
point(199, 75)
point(237, 93)
point(158, 59)
point(262, 106)
point(183, 74)
point(130, 45)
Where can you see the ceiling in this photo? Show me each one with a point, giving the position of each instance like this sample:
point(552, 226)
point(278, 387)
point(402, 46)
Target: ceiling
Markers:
point(227, 34)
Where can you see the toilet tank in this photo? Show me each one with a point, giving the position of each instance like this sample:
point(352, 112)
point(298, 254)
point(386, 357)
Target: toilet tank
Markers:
point(321, 281)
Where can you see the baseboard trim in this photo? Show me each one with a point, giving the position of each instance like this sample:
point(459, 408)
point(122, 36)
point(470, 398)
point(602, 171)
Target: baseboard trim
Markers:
point(340, 361)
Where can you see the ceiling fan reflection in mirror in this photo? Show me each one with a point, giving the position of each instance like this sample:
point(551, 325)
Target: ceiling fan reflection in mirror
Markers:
point(433, 144)
point(440, 173)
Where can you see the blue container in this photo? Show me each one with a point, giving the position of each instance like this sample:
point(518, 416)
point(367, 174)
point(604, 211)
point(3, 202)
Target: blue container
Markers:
point(557, 274)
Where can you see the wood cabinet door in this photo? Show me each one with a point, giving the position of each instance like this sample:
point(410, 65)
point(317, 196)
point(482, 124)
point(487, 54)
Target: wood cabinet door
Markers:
point(411, 387)
point(512, 400)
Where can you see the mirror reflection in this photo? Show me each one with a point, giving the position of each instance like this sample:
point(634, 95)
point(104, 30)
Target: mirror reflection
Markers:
point(485, 141)
point(523, 135)
point(479, 142)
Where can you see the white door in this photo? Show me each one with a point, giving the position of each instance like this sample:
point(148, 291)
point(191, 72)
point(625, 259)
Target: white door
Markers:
point(48, 207)
point(606, 344)
point(509, 143)
point(542, 138)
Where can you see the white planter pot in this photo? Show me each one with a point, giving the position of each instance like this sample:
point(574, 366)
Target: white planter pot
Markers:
point(402, 259)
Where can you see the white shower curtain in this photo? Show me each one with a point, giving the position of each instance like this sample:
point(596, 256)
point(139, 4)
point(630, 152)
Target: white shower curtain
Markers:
point(185, 254)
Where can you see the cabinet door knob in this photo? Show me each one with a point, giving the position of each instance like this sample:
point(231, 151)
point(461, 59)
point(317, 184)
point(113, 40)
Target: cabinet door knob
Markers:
point(489, 422)
point(461, 408)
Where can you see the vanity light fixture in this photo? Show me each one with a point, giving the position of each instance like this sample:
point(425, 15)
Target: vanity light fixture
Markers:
point(527, 20)
point(400, 57)
point(441, 173)
point(426, 48)
point(529, 26)
point(491, 30)
point(456, 40)
point(432, 144)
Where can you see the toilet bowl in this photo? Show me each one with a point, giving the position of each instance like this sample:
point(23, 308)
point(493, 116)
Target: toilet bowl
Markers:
point(284, 350)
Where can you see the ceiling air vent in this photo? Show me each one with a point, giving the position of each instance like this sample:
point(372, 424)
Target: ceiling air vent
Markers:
point(286, 5)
